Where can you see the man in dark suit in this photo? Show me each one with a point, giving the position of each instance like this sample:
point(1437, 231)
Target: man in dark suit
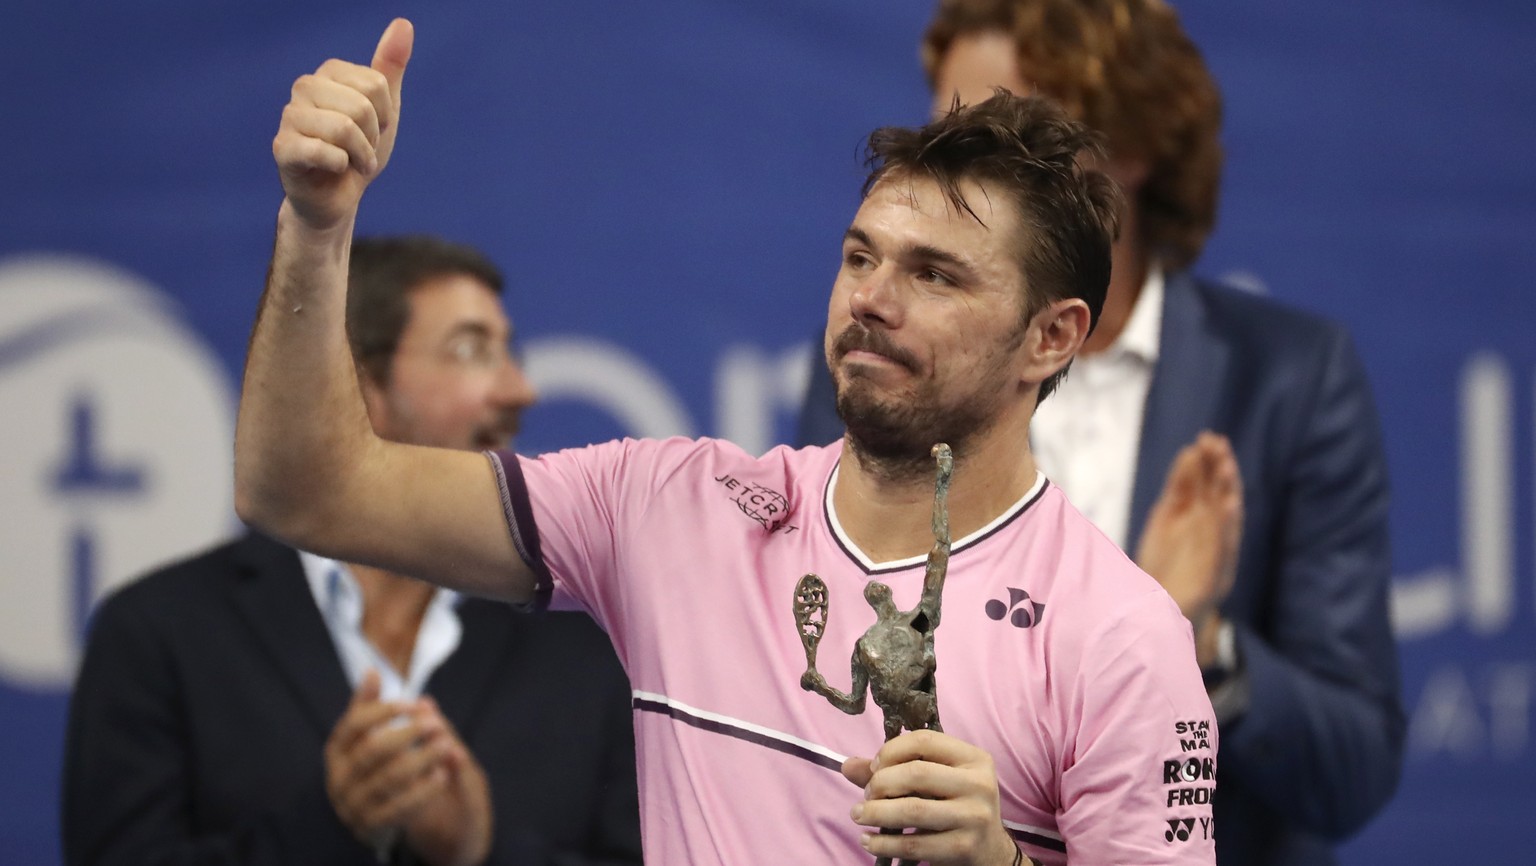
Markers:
point(212, 723)
point(1230, 441)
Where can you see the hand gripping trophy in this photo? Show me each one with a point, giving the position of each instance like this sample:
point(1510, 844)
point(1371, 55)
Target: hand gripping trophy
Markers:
point(894, 659)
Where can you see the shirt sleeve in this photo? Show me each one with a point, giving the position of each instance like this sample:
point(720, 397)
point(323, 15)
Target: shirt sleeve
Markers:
point(1140, 759)
point(573, 513)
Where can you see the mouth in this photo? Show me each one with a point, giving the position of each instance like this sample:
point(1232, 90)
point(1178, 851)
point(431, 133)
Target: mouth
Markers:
point(495, 438)
point(859, 345)
point(863, 356)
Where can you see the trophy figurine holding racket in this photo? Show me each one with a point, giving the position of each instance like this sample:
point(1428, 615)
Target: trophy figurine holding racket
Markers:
point(894, 659)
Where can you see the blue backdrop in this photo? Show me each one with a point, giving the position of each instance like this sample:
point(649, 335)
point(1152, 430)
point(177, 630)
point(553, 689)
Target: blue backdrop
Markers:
point(665, 184)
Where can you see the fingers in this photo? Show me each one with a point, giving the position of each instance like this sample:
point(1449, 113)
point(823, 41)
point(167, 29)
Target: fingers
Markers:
point(368, 690)
point(1205, 472)
point(1218, 464)
point(857, 771)
point(400, 768)
point(924, 779)
point(342, 107)
point(396, 799)
point(338, 130)
point(929, 746)
point(951, 846)
point(453, 754)
point(919, 779)
point(1227, 478)
point(364, 714)
point(1183, 478)
point(941, 788)
point(387, 769)
point(1221, 487)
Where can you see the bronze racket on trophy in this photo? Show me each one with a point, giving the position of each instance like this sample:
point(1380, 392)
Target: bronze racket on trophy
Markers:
point(894, 659)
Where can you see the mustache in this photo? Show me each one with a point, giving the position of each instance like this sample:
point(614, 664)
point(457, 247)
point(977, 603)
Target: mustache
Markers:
point(500, 433)
point(856, 337)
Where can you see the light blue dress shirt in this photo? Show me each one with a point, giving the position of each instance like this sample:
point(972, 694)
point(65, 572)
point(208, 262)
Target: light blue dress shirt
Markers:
point(340, 601)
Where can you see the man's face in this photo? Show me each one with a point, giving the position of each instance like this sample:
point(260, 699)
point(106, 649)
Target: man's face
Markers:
point(453, 381)
point(978, 63)
point(924, 332)
point(975, 64)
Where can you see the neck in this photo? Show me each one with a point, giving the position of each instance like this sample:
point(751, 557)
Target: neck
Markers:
point(393, 607)
point(1128, 272)
point(889, 514)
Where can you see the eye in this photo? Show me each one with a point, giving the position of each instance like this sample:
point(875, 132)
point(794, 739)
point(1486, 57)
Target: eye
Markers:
point(857, 260)
point(935, 277)
point(471, 350)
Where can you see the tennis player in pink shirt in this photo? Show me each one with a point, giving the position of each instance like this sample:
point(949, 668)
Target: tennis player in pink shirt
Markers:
point(1076, 726)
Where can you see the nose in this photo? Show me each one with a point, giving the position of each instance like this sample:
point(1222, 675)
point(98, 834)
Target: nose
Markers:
point(513, 388)
point(875, 298)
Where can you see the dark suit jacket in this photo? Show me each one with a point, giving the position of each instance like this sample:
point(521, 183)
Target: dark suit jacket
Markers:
point(208, 689)
point(1318, 750)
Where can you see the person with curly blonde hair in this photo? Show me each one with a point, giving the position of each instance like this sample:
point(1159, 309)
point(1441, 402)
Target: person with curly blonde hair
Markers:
point(1228, 441)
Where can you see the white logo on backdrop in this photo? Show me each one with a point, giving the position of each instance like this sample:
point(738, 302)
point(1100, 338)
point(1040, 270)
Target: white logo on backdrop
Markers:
point(1481, 593)
point(752, 388)
point(1479, 707)
point(118, 430)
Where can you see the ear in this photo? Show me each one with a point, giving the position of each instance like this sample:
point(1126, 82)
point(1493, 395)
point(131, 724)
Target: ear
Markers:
point(375, 401)
point(1053, 337)
point(1130, 172)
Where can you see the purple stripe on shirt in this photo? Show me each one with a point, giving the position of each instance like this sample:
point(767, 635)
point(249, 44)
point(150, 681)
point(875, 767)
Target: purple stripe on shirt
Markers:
point(716, 726)
point(1036, 839)
point(518, 510)
point(740, 733)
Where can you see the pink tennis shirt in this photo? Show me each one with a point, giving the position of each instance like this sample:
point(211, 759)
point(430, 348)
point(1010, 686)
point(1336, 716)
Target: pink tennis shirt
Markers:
point(1056, 655)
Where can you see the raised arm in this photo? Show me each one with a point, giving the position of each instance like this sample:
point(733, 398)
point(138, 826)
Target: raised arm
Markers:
point(308, 467)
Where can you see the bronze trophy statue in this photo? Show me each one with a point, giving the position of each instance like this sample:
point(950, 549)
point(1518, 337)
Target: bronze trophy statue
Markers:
point(894, 659)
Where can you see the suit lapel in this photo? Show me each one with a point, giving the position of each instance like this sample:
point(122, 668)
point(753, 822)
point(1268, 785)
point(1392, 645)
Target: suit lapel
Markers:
point(1185, 396)
point(274, 598)
point(462, 683)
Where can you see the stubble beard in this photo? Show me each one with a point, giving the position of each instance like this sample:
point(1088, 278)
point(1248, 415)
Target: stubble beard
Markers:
point(892, 437)
point(893, 440)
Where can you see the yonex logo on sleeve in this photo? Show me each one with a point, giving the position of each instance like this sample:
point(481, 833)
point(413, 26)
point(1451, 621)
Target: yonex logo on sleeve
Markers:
point(1179, 828)
point(1021, 610)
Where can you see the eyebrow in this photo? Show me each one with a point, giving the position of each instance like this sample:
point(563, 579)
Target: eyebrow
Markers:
point(479, 329)
point(921, 252)
point(475, 329)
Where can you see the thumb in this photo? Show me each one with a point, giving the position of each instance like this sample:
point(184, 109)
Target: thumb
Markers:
point(1184, 475)
point(393, 53)
point(368, 689)
point(858, 771)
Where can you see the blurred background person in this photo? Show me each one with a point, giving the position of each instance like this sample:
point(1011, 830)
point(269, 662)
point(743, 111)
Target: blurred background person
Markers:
point(255, 704)
point(137, 213)
point(1226, 440)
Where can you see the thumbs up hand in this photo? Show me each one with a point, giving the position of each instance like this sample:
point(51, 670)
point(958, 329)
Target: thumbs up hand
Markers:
point(338, 130)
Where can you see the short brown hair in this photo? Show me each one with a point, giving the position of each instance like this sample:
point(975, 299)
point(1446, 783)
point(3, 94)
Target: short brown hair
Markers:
point(381, 274)
point(1028, 148)
point(1127, 69)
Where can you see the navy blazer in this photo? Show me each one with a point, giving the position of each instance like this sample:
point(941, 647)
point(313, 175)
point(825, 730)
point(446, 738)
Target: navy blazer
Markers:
point(1319, 748)
point(208, 689)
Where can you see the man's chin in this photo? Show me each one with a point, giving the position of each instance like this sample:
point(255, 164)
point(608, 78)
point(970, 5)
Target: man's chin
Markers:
point(882, 432)
point(871, 372)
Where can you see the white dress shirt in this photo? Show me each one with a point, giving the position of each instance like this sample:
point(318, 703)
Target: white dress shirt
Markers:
point(340, 600)
point(1086, 435)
